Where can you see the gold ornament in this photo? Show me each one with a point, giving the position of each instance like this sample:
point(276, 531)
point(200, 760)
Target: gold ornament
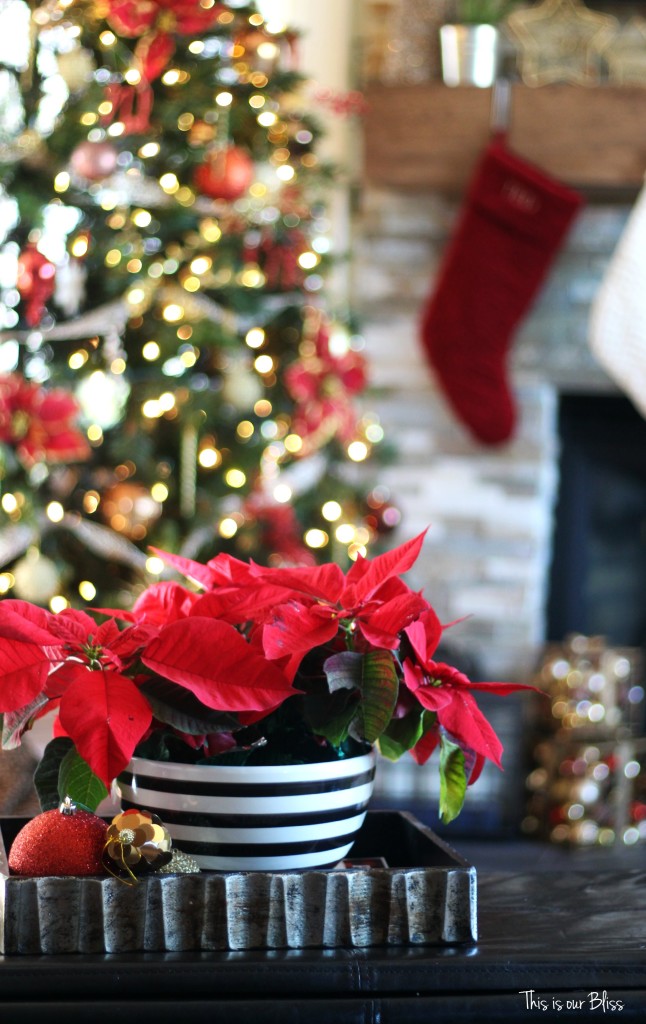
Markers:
point(130, 509)
point(560, 41)
point(201, 133)
point(241, 385)
point(76, 67)
point(136, 843)
point(36, 577)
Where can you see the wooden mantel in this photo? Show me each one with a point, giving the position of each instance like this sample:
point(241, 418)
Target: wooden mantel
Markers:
point(428, 137)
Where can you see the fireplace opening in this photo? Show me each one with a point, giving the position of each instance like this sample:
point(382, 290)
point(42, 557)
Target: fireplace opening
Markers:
point(597, 582)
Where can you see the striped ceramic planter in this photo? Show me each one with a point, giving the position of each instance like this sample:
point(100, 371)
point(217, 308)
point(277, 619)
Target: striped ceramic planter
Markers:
point(264, 818)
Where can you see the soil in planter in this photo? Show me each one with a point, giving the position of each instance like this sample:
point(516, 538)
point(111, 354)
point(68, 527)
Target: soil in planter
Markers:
point(283, 737)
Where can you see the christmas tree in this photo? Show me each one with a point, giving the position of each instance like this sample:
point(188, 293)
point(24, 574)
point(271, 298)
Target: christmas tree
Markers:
point(170, 375)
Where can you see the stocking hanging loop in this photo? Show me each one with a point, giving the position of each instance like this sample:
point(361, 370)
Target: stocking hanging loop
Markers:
point(500, 113)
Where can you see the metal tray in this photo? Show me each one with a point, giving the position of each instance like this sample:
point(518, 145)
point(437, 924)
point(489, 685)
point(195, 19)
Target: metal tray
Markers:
point(425, 895)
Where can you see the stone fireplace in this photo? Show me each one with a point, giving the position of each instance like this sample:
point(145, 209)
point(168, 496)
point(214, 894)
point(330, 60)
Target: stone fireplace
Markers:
point(493, 552)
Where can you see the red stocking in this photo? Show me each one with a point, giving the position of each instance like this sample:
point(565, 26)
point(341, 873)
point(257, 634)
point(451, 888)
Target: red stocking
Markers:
point(509, 231)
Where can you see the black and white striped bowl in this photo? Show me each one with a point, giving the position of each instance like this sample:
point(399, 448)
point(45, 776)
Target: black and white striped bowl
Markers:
point(260, 818)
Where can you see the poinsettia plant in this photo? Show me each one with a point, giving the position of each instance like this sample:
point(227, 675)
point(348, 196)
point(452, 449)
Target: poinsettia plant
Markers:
point(244, 664)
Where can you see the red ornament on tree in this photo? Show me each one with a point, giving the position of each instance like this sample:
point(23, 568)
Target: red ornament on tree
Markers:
point(61, 842)
point(225, 173)
point(94, 160)
point(35, 283)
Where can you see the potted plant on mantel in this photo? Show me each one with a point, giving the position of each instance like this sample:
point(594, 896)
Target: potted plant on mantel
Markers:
point(470, 45)
point(248, 689)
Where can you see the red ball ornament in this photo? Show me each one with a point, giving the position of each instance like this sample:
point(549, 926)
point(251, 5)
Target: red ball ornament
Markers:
point(94, 160)
point(61, 842)
point(225, 173)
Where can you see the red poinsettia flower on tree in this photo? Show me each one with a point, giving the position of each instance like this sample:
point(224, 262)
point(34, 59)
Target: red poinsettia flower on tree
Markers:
point(155, 22)
point(39, 424)
point(35, 282)
point(323, 384)
point(277, 257)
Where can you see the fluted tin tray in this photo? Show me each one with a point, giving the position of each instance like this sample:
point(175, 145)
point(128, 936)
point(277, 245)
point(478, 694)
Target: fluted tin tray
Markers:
point(403, 886)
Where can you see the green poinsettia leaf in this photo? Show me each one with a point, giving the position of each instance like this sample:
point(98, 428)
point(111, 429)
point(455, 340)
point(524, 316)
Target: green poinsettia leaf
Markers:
point(77, 780)
point(176, 706)
point(331, 714)
point(379, 689)
point(337, 730)
point(453, 780)
point(373, 677)
point(402, 734)
point(46, 775)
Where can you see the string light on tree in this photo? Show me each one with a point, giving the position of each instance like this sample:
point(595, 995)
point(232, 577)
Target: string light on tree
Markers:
point(317, 539)
point(331, 511)
point(358, 451)
point(228, 527)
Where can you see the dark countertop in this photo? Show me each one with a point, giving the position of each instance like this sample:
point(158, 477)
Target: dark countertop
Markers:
point(550, 936)
point(533, 855)
point(561, 935)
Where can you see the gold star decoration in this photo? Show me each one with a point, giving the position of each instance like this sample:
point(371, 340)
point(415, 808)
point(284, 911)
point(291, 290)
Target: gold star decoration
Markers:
point(625, 54)
point(560, 41)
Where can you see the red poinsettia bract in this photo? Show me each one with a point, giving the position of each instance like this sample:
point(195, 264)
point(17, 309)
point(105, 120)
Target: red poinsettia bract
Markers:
point(447, 692)
point(73, 664)
point(372, 602)
point(67, 661)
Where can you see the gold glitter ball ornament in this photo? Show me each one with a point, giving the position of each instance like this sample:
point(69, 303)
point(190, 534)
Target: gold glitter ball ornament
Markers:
point(137, 842)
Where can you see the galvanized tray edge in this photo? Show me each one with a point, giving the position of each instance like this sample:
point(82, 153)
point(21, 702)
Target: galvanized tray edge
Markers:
point(352, 907)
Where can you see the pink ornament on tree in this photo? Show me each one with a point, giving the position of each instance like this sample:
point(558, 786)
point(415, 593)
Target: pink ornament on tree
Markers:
point(94, 160)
